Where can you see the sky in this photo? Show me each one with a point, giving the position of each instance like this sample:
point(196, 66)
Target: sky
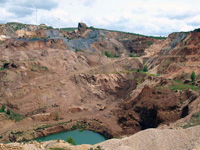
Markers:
point(148, 17)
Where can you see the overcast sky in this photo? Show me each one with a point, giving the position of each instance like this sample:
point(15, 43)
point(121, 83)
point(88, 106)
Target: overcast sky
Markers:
point(149, 17)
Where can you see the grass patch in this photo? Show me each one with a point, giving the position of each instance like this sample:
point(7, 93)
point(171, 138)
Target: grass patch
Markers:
point(109, 55)
point(194, 121)
point(16, 117)
point(132, 71)
point(69, 29)
point(178, 85)
point(150, 43)
point(150, 74)
point(41, 68)
point(12, 115)
point(137, 55)
point(2, 68)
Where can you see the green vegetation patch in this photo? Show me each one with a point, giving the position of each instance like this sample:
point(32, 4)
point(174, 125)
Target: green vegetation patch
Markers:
point(16, 133)
point(194, 121)
point(178, 85)
point(41, 68)
point(109, 55)
point(16, 117)
point(69, 29)
point(70, 140)
point(12, 115)
point(2, 109)
point(150, 43)
point(79, 125)
point(2, 68)
point(136, 55)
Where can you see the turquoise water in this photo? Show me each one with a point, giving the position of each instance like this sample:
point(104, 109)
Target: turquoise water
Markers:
point(84, 137)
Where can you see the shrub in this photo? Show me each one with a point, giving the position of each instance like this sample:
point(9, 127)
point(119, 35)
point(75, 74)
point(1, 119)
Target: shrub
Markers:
point(138, 70)
point(145, 69)
point(193, 76)
point(3, 107)
point(108, 54)
point(116, 56)
point(8, 112)
point(57, 116)
point(131, 55)
point(70, 140)
point(98, 147)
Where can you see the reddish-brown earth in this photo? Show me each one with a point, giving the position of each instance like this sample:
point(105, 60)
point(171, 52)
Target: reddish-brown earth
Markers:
point(60, 79)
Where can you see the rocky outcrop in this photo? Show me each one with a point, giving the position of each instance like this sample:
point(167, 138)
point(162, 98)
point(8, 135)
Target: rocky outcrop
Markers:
point(82, 27)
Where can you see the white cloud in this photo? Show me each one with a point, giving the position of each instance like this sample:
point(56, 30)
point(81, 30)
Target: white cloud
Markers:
point(151, 17)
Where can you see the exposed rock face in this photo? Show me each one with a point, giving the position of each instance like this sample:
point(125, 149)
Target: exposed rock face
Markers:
point(35, 44)
point(138, 45)
point(151, 108)
point(178, 57)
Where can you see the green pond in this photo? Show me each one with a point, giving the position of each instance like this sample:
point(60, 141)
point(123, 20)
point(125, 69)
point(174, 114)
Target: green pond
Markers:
point(83, 137)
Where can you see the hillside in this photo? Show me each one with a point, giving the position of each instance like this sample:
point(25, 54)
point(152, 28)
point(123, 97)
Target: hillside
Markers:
point(57, 80)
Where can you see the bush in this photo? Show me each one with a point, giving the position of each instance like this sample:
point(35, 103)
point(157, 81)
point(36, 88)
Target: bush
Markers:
point(116, 56)
point(3, 108)
point(91, 27)
point(108, 54)
point(138, 70)
point(145, 69)
point(70, 140)
point(131, 55)
point(8, 112)
point(98, 147)
point(193, 76)
point(57, 116)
